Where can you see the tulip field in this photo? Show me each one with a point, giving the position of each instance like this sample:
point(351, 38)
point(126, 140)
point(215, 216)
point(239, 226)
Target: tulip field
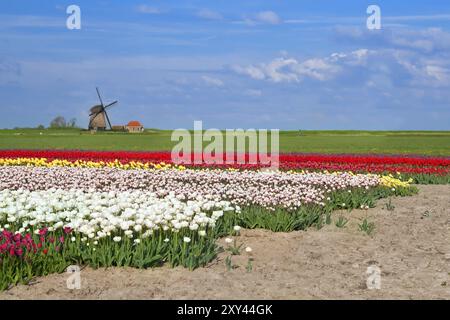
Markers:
point(101, 209)
point(138, 209)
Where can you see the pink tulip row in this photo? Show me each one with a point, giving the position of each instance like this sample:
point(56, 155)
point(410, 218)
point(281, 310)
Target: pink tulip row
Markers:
point(266, 189)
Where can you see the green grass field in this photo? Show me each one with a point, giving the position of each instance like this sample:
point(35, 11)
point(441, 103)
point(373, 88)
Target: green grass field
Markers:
point(385, 142)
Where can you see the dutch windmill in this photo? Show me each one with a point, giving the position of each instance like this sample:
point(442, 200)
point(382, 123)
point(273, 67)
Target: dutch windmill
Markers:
point(98, 115)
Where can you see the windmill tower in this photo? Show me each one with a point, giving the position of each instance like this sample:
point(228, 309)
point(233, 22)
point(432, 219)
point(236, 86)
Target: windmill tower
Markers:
point(98, 115)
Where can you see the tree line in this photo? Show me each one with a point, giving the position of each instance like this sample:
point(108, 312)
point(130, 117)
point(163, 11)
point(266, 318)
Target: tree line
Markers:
point(60, 122)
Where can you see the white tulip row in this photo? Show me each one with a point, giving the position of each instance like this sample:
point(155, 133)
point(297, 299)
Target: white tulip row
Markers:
point(101, 214)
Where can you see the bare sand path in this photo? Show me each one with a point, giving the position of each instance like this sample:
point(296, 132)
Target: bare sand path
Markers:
point(410, 244)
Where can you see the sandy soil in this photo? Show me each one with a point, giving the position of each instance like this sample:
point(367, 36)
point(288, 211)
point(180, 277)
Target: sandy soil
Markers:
point(411, 246)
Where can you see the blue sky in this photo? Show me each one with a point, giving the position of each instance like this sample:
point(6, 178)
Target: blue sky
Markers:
point(251, 63)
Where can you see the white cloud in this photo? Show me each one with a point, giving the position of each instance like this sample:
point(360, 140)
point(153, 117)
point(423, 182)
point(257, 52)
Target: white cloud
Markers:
point(281, 70)
point(215, 82)
point(319, 69)
point(437, 72)
point(426, 40)
point(143, 8)
point(291, 70)
point(424, 72)
point(251, 71)
point(268, 17)
point(209, 14)
point(361, 66)
point(263, 17)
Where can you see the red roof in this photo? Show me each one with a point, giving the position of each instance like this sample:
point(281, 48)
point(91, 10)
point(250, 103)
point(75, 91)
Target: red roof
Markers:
point(134, 124)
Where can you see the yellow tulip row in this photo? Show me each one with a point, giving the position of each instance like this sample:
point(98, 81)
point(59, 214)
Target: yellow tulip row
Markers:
point(391, 182)
point(43, 162)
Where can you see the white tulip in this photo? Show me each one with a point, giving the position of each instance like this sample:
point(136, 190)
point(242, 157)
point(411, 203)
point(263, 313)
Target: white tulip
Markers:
point(194, 227)
point(202, 233)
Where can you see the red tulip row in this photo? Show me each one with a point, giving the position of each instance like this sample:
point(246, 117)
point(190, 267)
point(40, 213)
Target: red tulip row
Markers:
point(18, 245)
point(356, 163)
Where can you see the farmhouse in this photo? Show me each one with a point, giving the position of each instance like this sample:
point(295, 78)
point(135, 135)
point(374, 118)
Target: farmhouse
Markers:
point(134, 126)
